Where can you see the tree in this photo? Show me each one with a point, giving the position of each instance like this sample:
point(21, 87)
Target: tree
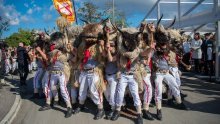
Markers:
point(89, 12)
point(20, 36)
point(4, 25)
point(120, 19)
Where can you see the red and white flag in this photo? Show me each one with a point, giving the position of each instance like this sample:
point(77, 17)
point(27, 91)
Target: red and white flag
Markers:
point(65, 8)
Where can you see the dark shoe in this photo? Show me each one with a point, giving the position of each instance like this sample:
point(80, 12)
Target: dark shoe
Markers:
point(35, 96)
point(170, 102)
point(183, 95)
point(123, 108)
point(147, 115)
point(78, 109)
point(159, 115)
point(99, 114)
point(7, 74)
point(55, 103)
point(74, 106)
point(109, 116)
point(21, 83)
point(42, 96)
point(139, 119)
point(69, 112)
point(45, 107)
point(151, 105)
point(181, 106)
point(115, 115)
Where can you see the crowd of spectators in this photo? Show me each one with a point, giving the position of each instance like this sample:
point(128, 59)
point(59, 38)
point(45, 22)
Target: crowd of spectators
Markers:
point(16, 60)
point(199, 53)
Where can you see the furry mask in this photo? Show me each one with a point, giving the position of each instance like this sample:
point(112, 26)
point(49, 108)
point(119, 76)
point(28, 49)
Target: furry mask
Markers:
point(92, 32)
point(57, 39)
point(129, 38)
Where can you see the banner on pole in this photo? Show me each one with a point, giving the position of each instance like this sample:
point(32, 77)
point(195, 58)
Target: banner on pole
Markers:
point(65, 9)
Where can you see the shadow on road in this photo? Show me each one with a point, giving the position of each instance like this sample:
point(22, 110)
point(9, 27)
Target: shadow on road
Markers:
point(211, 90)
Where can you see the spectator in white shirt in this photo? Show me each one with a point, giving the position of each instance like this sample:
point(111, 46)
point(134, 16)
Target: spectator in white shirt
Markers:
point(186, 51)
point(196, 51)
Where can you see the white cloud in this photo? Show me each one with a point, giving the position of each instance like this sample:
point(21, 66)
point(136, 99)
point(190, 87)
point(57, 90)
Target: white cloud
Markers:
point(30, 11)
point(9, 12)
point(24, 18)
point(26, 5)
point(47, 17)
point(34, 9)
point(38, 8)
point(32, 2)
point(51, 7)
point(15, 21)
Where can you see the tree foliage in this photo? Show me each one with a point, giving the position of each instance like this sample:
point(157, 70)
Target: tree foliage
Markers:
point(4, 25)
point(120, 19)
point(20, 36)
point(89, 12)
point(92, 13)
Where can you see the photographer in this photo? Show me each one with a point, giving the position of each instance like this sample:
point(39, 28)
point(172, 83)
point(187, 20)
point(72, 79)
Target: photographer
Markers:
point(23, 60)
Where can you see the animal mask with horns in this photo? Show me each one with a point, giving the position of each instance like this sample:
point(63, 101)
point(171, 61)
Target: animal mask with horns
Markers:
point(92, 32)
point(129, 38)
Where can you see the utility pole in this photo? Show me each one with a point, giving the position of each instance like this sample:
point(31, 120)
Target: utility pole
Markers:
point(158, 11)
point(179, 13)
point(113, 11)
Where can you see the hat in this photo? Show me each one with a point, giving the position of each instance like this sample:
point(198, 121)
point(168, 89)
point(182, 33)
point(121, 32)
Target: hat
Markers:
point(207, 34)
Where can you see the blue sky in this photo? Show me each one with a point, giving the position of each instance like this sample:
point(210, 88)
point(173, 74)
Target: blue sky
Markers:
point(40, 14)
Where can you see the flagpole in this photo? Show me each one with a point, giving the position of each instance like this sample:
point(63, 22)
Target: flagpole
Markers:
point(75, 11)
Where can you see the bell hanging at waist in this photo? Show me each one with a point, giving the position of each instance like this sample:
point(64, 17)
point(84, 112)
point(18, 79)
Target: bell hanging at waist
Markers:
point(128, 73)
point(163, 71)
point(90, 70)
point(55, 71)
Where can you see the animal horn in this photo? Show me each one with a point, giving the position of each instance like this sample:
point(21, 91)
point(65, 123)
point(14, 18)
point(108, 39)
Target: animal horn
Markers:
point(46, 31)
point(116, 27)
point(158, 22)
point(174, 20)
point(103, 21)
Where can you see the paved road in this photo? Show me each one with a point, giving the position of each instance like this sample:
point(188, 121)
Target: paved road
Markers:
point(203, 99)
point(7, 98)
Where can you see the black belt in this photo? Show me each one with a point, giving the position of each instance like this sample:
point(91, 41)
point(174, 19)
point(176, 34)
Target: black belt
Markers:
point(129, 73)
point(111, 74)
point(89, 70)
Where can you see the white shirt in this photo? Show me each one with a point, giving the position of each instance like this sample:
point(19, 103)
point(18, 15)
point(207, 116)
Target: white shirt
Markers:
point(209, 52)
point(196, 46)
point(186, 47)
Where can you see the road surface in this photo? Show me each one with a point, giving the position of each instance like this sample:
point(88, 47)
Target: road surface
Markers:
point(203, 100)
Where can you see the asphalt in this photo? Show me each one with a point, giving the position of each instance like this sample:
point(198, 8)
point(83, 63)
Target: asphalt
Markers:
point(203, 100)
point(7, 99)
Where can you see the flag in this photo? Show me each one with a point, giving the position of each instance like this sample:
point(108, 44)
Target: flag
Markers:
point(65, 9)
